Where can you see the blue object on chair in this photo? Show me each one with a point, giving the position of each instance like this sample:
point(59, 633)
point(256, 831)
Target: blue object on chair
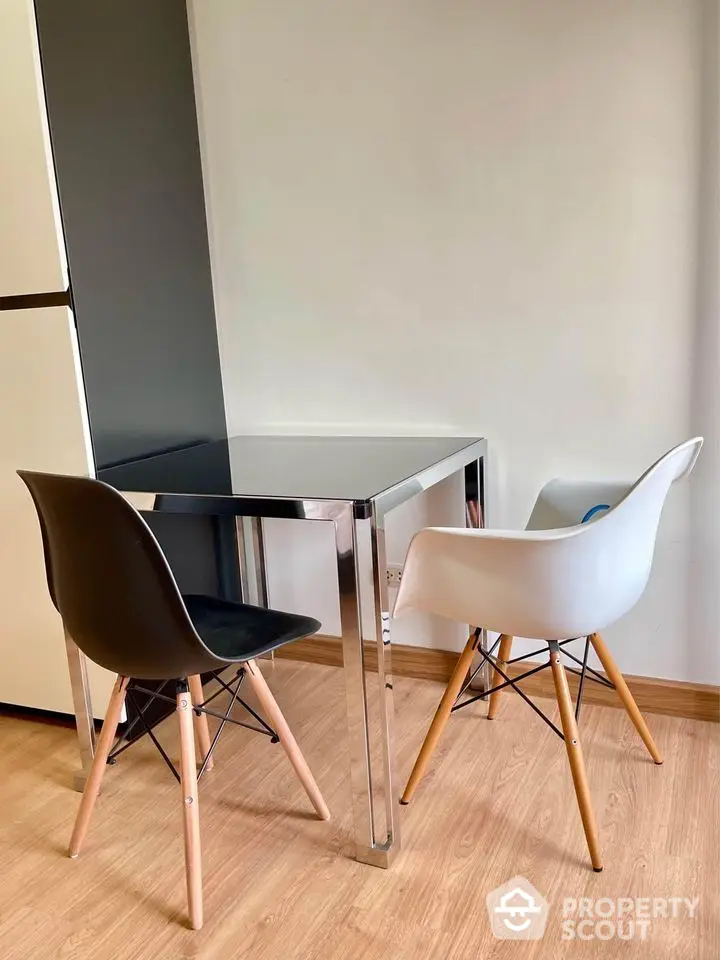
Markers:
point(593, 510)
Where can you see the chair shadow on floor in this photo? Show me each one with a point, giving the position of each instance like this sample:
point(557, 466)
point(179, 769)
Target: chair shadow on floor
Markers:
point(269, 809)
point(498, 823)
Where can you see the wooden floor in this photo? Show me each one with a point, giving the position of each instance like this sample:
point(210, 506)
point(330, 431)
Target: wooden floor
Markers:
point(280, 885)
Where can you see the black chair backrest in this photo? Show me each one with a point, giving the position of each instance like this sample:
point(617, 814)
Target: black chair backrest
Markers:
point(110, 581)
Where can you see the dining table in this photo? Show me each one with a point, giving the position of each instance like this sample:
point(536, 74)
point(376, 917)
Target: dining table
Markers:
point(353, 483)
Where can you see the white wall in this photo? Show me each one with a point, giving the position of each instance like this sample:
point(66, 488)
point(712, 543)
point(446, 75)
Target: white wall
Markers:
point(472, 218)
point(704, 568)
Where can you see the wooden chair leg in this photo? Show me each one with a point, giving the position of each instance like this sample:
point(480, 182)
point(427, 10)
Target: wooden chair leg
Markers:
point(279, 723)
point(575, 756)
point(191, 814)
point(102, 749)
point(440, 719)
point(628, 701)
point(202, 732)
point(503, 657)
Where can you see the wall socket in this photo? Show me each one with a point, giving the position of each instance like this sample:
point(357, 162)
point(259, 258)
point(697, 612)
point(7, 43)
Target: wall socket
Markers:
point(394, 575)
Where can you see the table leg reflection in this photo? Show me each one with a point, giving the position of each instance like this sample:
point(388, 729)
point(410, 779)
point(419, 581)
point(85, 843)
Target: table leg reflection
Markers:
point(251, 550)
point(475, 509)
point(82, 705)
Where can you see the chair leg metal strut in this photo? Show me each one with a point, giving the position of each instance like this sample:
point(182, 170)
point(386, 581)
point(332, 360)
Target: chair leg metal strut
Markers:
point(459, 683)
point(200, 710)
point(507, 681)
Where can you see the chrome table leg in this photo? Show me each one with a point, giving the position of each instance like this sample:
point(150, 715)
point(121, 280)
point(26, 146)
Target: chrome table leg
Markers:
point(368, 687)
point(387, 831)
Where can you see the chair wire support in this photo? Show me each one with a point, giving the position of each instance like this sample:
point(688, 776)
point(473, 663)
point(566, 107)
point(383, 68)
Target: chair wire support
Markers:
point(584, 673)
point(140, 719)
point(476, 670)
point(592, 674)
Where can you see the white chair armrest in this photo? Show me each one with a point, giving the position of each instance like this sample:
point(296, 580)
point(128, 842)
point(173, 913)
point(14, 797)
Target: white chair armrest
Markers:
point(529, 583)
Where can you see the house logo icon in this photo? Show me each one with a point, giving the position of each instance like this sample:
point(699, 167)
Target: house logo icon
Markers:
point(517, 911)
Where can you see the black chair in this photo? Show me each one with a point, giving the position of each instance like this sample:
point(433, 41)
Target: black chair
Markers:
point(118, 599)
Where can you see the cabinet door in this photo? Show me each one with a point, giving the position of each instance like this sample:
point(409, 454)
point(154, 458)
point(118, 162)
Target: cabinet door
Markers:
point(43, 428)
point(31, 251)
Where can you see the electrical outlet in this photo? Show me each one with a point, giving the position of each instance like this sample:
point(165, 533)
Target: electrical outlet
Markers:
point(394, 575)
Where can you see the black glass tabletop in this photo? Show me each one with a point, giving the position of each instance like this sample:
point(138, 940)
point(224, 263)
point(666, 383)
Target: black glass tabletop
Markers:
point(320, 468)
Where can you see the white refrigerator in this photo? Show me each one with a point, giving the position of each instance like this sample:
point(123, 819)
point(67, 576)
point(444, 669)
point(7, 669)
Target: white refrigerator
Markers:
point(43, 415)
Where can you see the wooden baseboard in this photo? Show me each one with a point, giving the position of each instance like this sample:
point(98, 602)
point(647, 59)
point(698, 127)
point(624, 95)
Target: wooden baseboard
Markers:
point(676, 698)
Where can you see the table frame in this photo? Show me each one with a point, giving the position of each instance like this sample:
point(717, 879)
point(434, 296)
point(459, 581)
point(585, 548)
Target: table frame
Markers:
point(367, 663)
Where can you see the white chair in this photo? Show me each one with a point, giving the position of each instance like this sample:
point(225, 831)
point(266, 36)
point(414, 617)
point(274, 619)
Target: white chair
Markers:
point(558, 580)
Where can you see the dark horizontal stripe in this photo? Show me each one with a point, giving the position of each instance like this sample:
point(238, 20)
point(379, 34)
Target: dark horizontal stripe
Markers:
point(149, 456)
point(33, 301)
